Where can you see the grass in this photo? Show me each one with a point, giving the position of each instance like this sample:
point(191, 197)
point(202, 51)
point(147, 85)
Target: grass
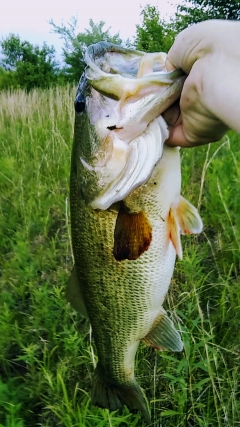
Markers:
point(46, 358)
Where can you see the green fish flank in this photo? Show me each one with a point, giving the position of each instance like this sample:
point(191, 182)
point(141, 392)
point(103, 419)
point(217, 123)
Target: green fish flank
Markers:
point(126, 215)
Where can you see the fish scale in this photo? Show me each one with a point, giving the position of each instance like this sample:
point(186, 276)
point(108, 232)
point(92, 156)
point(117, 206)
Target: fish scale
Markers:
point(95, 229)
point(124, 254)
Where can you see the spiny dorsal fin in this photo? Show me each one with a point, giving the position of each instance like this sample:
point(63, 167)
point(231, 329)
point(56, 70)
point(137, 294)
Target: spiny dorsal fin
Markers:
point(132, 235)
point(164, 336)
point(74, 293)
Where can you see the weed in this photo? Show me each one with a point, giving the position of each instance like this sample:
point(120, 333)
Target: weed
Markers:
point(46, 356)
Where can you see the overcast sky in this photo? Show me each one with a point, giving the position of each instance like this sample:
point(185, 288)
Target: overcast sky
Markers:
point(30, 18)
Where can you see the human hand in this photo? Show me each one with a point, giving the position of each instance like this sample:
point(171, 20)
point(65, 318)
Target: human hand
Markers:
point(209, 105)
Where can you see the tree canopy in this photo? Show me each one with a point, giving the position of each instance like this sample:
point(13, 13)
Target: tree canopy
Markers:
point(29, 66)
point(194, 11)
point(154, 34)
point(75, 44)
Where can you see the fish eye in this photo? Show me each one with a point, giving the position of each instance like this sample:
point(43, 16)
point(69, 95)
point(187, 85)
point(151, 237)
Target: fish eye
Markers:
point(79, 103)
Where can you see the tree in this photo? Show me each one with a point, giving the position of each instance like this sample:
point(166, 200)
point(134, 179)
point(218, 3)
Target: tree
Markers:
point(193, 11)
point(154, 34)
point(7, 79)
point(32, 66)
point(75, 45)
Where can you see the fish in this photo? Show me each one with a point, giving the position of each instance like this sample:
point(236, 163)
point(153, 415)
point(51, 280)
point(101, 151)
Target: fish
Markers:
point(127, 214)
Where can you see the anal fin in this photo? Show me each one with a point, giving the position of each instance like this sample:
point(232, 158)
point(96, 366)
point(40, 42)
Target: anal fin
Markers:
point(132, 235)
point(164, 336)
point(74, 293)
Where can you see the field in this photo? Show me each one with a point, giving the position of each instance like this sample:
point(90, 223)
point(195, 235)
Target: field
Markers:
point(46, 357)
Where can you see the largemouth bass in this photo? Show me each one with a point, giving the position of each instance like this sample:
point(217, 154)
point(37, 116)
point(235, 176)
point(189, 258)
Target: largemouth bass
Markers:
point(126, 214)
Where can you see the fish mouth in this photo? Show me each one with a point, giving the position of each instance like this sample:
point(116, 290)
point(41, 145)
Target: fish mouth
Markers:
point(128, 90)
point(138, 81)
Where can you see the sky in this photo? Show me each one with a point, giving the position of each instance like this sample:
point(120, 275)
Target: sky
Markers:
point(30, 20)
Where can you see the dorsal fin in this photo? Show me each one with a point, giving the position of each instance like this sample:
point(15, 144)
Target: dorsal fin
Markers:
point(74, 293)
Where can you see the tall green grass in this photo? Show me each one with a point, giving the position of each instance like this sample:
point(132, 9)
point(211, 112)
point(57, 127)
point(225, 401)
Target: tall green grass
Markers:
point(46, 357)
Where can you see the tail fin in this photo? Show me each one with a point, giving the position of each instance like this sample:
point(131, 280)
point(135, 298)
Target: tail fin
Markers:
point(114, 396)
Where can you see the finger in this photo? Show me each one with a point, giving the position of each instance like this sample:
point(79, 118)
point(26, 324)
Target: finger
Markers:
point(189, 45)
point(203, 38)
point(172, 115)
point(177, 138)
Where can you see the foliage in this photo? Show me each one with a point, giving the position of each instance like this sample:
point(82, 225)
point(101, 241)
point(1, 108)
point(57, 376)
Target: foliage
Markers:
point(194, 11)
point(75, 44)
point(7, 79)
point(154, 34)
point(28, 66)
point(46, 358)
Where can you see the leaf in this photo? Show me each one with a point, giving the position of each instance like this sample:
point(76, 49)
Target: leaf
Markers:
point(199, 385)
point(169, 413)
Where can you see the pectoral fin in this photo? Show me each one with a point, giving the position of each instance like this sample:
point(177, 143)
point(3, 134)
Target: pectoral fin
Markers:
point(183, 219)
point(132, 235)
point(174, 231)
point(188, 217)
point(164, 336)
point(74, 293)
